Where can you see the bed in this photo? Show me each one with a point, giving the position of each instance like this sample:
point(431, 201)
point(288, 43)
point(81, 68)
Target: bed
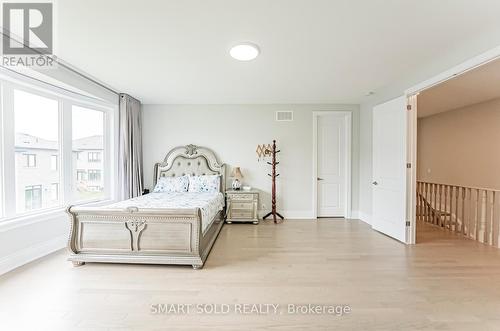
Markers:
point(156, 228)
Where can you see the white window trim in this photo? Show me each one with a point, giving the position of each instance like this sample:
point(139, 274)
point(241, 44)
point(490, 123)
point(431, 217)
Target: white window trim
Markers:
point(2, 184)
point(33, 217)
point(66, 100)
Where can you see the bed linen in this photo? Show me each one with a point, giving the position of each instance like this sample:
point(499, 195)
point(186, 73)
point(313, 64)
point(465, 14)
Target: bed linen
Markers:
point(210, 203)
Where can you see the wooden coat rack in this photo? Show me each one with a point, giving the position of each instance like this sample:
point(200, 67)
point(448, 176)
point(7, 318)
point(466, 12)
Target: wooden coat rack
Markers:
point(273, 176)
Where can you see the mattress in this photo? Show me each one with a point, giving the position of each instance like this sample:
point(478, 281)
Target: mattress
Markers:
point(209, 203)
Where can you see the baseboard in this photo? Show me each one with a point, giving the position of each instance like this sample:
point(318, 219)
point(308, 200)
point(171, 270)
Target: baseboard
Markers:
point(31, 253)
point(309, 215)
point(291, 214)
point(364, 217)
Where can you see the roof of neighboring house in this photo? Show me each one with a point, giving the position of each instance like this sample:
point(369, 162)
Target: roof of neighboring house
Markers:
point(92, 142)
point(27, 141)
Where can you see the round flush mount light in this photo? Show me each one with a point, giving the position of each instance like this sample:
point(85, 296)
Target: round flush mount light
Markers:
point(244, 52)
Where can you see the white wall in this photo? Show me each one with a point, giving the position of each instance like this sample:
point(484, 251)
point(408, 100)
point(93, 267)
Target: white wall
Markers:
point(459, 146)
point(234, 131)
point(29, 239)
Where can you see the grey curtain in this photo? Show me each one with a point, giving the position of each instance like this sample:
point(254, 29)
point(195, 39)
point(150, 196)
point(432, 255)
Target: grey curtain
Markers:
point(130, 147)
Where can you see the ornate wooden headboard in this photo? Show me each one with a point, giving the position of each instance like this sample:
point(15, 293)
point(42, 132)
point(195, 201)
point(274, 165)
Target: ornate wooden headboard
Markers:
point(191, 160)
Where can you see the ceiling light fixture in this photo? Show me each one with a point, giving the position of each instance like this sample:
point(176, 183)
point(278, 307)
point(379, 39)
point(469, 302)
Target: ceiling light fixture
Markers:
point(244, 52)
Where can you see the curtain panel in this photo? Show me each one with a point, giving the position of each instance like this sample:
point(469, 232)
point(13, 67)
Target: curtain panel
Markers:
point(130, 170)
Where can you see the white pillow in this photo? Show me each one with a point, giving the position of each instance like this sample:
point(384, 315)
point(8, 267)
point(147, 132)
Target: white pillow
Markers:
point(208, 183)
point(172, 184)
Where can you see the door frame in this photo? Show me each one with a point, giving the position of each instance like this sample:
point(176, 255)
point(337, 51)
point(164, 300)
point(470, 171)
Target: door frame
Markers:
point(347, 153)
point(412, 97)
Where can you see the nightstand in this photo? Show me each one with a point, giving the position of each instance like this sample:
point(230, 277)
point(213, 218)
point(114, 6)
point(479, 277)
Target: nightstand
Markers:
point(242, 206)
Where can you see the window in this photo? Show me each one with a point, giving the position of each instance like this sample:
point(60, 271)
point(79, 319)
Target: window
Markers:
point(88, 135)
point(53, 162)
point(94, 157)
point(81, 175)
point(50, 130)
point(54, 191)
point(30, 160)
point(36, 131)
point(94, 175)
point(33, 197)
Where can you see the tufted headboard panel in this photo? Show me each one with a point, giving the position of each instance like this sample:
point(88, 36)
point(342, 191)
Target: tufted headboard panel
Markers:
point(191, 160)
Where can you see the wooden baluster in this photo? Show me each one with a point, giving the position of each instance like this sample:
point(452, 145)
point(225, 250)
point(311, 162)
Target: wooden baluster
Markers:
point(422, 205)
point(468, 193)
point(422, 192)
point(471, 214)
point(429, 193)
point(452, 200)
point(419, 203)
point(487, 219)
point(496, 222)
point(440, 205)
point(435, 204)
point(457, 192)
point(427, 199)
point(477, 223)
point(431, 205)
point(445, 221)
point(464, 195)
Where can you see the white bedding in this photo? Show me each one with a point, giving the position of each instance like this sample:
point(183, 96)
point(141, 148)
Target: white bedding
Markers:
point(209, 203)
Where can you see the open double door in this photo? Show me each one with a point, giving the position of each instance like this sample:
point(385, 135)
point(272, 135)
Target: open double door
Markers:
point(393, 168)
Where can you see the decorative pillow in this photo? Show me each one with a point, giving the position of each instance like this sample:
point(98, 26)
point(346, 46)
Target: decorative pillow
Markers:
point(209, 183)
point(172, 184)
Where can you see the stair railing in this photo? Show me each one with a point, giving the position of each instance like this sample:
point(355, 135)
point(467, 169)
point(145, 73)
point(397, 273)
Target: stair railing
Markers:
point(472, 212)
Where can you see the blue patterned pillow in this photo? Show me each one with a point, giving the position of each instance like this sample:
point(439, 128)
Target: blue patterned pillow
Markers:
point(172, 184)
point(209, 183)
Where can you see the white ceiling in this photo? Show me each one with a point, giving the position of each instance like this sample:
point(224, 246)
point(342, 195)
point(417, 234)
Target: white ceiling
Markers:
point(312, 51)
point(475, 86)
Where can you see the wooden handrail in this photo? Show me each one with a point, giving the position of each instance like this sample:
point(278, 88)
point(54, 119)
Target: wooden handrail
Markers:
point(473, 212)
point(468, 187)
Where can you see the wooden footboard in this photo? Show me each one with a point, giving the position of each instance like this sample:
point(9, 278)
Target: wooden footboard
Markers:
point(151, 236)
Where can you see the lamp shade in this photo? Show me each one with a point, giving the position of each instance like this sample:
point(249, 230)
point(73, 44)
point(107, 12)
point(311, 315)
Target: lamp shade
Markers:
point(236, 173)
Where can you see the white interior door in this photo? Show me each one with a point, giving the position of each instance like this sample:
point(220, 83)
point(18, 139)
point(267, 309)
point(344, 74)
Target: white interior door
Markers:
point(389, 168)
point(331, 179)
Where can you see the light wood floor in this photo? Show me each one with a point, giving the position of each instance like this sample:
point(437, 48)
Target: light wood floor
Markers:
point(443, 283)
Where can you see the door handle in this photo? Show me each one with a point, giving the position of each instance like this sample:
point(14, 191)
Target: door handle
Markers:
point(319, 178)
point(375, 183)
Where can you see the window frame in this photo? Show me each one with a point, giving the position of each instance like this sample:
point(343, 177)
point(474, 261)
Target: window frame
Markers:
point(56, 185)
point(38, 187)
point(108, 158)
point(27, 164)
point(94, 175)
point(94, 159)
point(56, 164)
point(66, 100)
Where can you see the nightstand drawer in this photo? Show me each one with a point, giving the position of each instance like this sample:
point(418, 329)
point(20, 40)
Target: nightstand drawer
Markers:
point(242, 214)
point(242, 205)
point(242, 196)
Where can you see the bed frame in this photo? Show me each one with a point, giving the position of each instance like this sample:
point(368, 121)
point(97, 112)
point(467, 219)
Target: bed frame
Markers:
point(150, 236)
